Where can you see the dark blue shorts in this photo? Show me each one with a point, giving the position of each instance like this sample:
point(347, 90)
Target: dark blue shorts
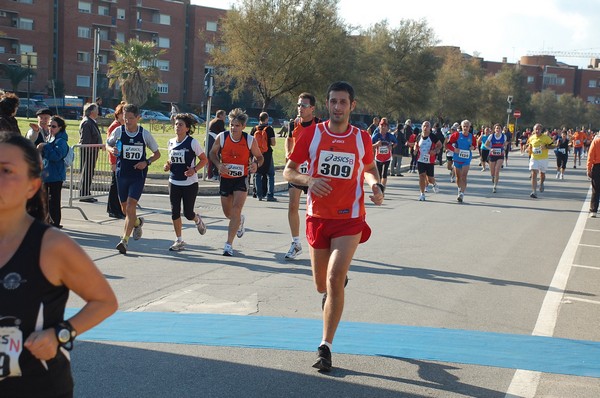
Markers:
point(130, 187)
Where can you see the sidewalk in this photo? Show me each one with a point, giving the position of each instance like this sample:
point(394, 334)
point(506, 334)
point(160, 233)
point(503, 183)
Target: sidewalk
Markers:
point(159, 183)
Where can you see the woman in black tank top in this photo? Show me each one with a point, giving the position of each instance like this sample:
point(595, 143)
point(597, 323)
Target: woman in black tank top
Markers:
point(39, 265)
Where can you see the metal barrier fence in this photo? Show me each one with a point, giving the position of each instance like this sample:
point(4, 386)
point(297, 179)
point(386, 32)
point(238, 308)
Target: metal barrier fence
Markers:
point(90, 175)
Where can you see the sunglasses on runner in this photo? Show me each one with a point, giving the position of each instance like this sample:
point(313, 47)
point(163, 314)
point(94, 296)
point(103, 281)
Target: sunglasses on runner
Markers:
point(303, 105)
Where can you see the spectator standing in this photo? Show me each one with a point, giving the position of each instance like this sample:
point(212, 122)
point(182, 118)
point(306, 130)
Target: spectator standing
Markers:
point(593, 172)
point(371, 129)
point(215, 126)
point(53, 153)
point(89, 133)
point(397, 153)
point(99, 103)
point(39, 132)
point(40, 266)
point(265, 137)
point(9, 104)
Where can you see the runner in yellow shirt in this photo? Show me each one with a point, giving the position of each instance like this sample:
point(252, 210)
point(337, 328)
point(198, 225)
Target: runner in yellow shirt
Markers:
point(537, 147)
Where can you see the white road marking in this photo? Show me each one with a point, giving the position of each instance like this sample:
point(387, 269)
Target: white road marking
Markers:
point(525, 382)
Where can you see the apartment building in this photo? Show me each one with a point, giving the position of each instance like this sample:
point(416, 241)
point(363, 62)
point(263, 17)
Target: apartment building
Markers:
point(56, 39)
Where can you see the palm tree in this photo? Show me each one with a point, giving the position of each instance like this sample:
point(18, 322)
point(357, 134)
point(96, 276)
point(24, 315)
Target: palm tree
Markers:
point(135, 69)
point(15, 74)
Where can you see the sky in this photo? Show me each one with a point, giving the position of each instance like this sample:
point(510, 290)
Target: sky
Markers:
point(492, 30)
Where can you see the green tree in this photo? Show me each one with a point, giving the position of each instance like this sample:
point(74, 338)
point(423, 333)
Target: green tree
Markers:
point(135, 69)
point(397, 68)
point(457, 93)
point(546, 108)
point(281, 47)
point(15, 74)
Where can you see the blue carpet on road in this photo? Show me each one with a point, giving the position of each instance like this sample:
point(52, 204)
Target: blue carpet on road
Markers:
point(543, 354)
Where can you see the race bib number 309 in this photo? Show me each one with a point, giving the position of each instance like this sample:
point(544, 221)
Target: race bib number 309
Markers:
point(336, 164)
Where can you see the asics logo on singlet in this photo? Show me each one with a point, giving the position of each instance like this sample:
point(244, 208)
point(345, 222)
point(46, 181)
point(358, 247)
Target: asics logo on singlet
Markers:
point(337, 141)
point(12, 281)
point(339, 159)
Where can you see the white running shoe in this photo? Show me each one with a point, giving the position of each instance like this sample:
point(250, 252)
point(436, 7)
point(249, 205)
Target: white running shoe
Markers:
point(241, 229)
point(201, 226)
point(122, 247)
point(177, 246)
point(460, 197)
point(436, 188)
point(562, 176)
point(137, 231)
point(558, 175)
point(422, 197)
point(228, 250)
point(295, 250)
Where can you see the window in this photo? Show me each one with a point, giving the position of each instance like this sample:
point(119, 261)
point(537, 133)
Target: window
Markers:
point(120, 13)
point(591, 99)
point(208, 47)
point(83, 81)
point(163, 65)
point(560, 81)
point(211, 26)
point(121, 37)
point(25, 1)
point(162, 88)
point(103, 10)
point(103, 34)
point(164, 19)
point(84, 6)
point(83, 56)
point(25, 23)
point(530, 79)
point(84, 32)
point(25, 49)
point(102, 59)
point(592, 84)
point(2, 49)
point(164, 42)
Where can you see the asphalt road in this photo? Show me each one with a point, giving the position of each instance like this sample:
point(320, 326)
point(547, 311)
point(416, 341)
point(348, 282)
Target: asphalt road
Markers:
point(495, 297)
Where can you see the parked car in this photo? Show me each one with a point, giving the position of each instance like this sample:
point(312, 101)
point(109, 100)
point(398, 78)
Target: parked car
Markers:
point(34, 106)
point(252, 121)
point(148, 115)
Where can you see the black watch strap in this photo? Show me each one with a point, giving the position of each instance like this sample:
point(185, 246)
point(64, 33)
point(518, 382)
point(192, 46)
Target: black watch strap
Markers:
point(65, 334)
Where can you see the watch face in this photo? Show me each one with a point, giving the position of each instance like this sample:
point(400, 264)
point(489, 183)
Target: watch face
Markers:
point(64, 336)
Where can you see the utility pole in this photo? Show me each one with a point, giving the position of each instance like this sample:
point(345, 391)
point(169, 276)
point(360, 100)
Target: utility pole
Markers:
point(95, 62)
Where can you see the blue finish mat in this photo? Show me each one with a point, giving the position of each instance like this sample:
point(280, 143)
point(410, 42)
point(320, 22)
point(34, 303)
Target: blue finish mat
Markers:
point(536, 353)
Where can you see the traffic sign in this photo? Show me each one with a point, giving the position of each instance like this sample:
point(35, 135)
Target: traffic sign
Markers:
point(517, 114)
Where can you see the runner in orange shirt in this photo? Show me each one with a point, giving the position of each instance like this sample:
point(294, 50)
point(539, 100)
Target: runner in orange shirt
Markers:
point(340, 159)
point(577, 140)
point(306, 118)
point(231, 153)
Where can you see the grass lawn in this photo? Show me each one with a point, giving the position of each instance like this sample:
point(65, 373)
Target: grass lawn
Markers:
point(161, 133)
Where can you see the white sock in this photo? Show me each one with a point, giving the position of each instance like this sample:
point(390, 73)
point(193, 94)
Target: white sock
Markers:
point(328, 344)
point(296, 239)
point(179, 239)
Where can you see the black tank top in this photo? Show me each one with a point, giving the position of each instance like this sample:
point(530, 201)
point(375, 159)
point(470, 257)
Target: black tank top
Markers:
point(29, 302)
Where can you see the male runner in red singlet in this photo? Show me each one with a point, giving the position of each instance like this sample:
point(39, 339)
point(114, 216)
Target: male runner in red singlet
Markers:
point(340, 158)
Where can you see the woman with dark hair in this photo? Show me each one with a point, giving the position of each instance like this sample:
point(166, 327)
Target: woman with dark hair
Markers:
point(55, 172)
point(186, 158)
point(113, 206)
point(39, 265)
point(9, 104)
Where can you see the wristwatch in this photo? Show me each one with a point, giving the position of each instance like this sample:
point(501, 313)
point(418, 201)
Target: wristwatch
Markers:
point(149, 162)
point(65, 334)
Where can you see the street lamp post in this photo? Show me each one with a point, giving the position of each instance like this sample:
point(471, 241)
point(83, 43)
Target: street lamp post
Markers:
point(509, 110)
